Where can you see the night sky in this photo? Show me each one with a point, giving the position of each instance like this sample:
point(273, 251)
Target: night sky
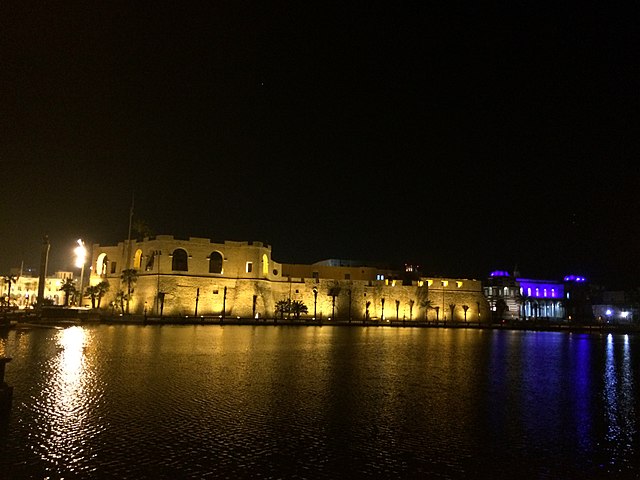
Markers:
point(463, 138)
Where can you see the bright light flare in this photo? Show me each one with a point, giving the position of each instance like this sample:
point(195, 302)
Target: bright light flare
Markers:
point(81, 254)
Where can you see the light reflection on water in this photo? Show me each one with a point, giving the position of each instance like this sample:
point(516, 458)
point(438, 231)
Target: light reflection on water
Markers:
point(319, 402)
point(619, 404)
point(63, 405)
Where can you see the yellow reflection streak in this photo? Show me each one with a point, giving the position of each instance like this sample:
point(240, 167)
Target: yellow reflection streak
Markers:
point(66, 402)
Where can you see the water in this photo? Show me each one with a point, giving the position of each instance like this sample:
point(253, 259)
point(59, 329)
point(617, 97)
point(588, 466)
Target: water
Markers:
point(320, 402)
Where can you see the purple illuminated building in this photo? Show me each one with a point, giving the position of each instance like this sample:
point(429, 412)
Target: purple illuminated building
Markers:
point(512, 297)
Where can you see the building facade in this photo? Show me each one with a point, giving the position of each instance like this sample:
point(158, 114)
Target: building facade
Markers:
point(23, 291)
point(200, 277)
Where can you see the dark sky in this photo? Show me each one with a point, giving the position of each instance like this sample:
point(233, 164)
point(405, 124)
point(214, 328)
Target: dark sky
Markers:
point(465, 138)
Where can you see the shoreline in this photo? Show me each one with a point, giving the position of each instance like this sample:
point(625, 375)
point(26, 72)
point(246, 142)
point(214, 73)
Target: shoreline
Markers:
point(38, 321)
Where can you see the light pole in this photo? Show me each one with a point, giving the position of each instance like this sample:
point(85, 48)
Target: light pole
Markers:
point(81, 257)
point(315, 301)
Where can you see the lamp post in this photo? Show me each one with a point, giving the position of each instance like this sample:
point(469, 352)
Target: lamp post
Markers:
point(315, 301)
point(81, 257)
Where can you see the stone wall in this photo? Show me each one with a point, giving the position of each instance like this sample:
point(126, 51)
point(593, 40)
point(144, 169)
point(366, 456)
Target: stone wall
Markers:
point(256, 293)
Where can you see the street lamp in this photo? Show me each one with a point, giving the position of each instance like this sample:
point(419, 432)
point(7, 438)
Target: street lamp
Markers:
point(315, 301)
point(81, 257)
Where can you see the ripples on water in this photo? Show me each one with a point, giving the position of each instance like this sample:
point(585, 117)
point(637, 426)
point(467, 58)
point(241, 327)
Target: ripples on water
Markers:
point(319, 402)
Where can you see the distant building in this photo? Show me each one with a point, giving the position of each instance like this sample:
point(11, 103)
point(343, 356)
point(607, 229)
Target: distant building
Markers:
point(617, 307)
point(512, 297)
point(24, 290)
point(198, 276)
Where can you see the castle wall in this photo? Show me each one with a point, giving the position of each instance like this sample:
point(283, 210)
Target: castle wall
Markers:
point(256, 293)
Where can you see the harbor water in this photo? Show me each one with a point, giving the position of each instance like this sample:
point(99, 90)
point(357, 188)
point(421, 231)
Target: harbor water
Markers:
point(319, 402)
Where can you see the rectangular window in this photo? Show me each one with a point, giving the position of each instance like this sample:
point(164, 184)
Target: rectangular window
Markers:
point(249, 267)
point(113, 267)
point(347, 276)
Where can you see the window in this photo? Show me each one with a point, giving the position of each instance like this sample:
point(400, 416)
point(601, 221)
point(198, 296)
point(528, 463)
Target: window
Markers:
point(265, 265)
point(347, 276)
point(179, 261)
point(249, 267)
point(150, 262)
point(137, 259)
point(215, 262)
point(101, 264)
point(113, 267)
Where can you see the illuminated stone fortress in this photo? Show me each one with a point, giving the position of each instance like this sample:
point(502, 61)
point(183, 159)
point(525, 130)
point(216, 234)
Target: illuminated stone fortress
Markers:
point(200, 277)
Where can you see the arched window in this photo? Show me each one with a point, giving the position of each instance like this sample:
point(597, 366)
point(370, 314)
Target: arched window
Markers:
point(215, 262)
point(150, 261)
point(179, 260)
point(137, 260)
point(265, 265)
point(101, 264)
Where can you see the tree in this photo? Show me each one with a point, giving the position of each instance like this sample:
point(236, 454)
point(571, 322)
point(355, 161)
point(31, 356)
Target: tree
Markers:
point(96, 292)
point(501, 308)
point(465, 308)
point(411, 303)
point(9, 279)
point(103, 287)
point(282, 307)
point(121, 298)
point(452, 307)
point(141, 230)
point(428, 305)
point(334, 291)
point(129, 277)
point(69, 289)
point(91, 292)
point(298, 308)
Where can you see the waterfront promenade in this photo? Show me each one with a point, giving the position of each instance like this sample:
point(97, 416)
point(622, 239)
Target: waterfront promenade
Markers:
point(78, 317)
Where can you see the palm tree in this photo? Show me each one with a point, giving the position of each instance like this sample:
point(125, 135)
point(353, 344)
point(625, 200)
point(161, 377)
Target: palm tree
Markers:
point(9, 279)
point(103, 287)
point(297, 308)
point(282, 307)
point(91, 292)
point(427, 305)
point(452, 307)
point(501, 307)
point(69, 289)
point(411, 302)
point(141, 229)
point(121, 298)
point(334, 291)
point(465, 308)
point(437, 309)
point(129, 277)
